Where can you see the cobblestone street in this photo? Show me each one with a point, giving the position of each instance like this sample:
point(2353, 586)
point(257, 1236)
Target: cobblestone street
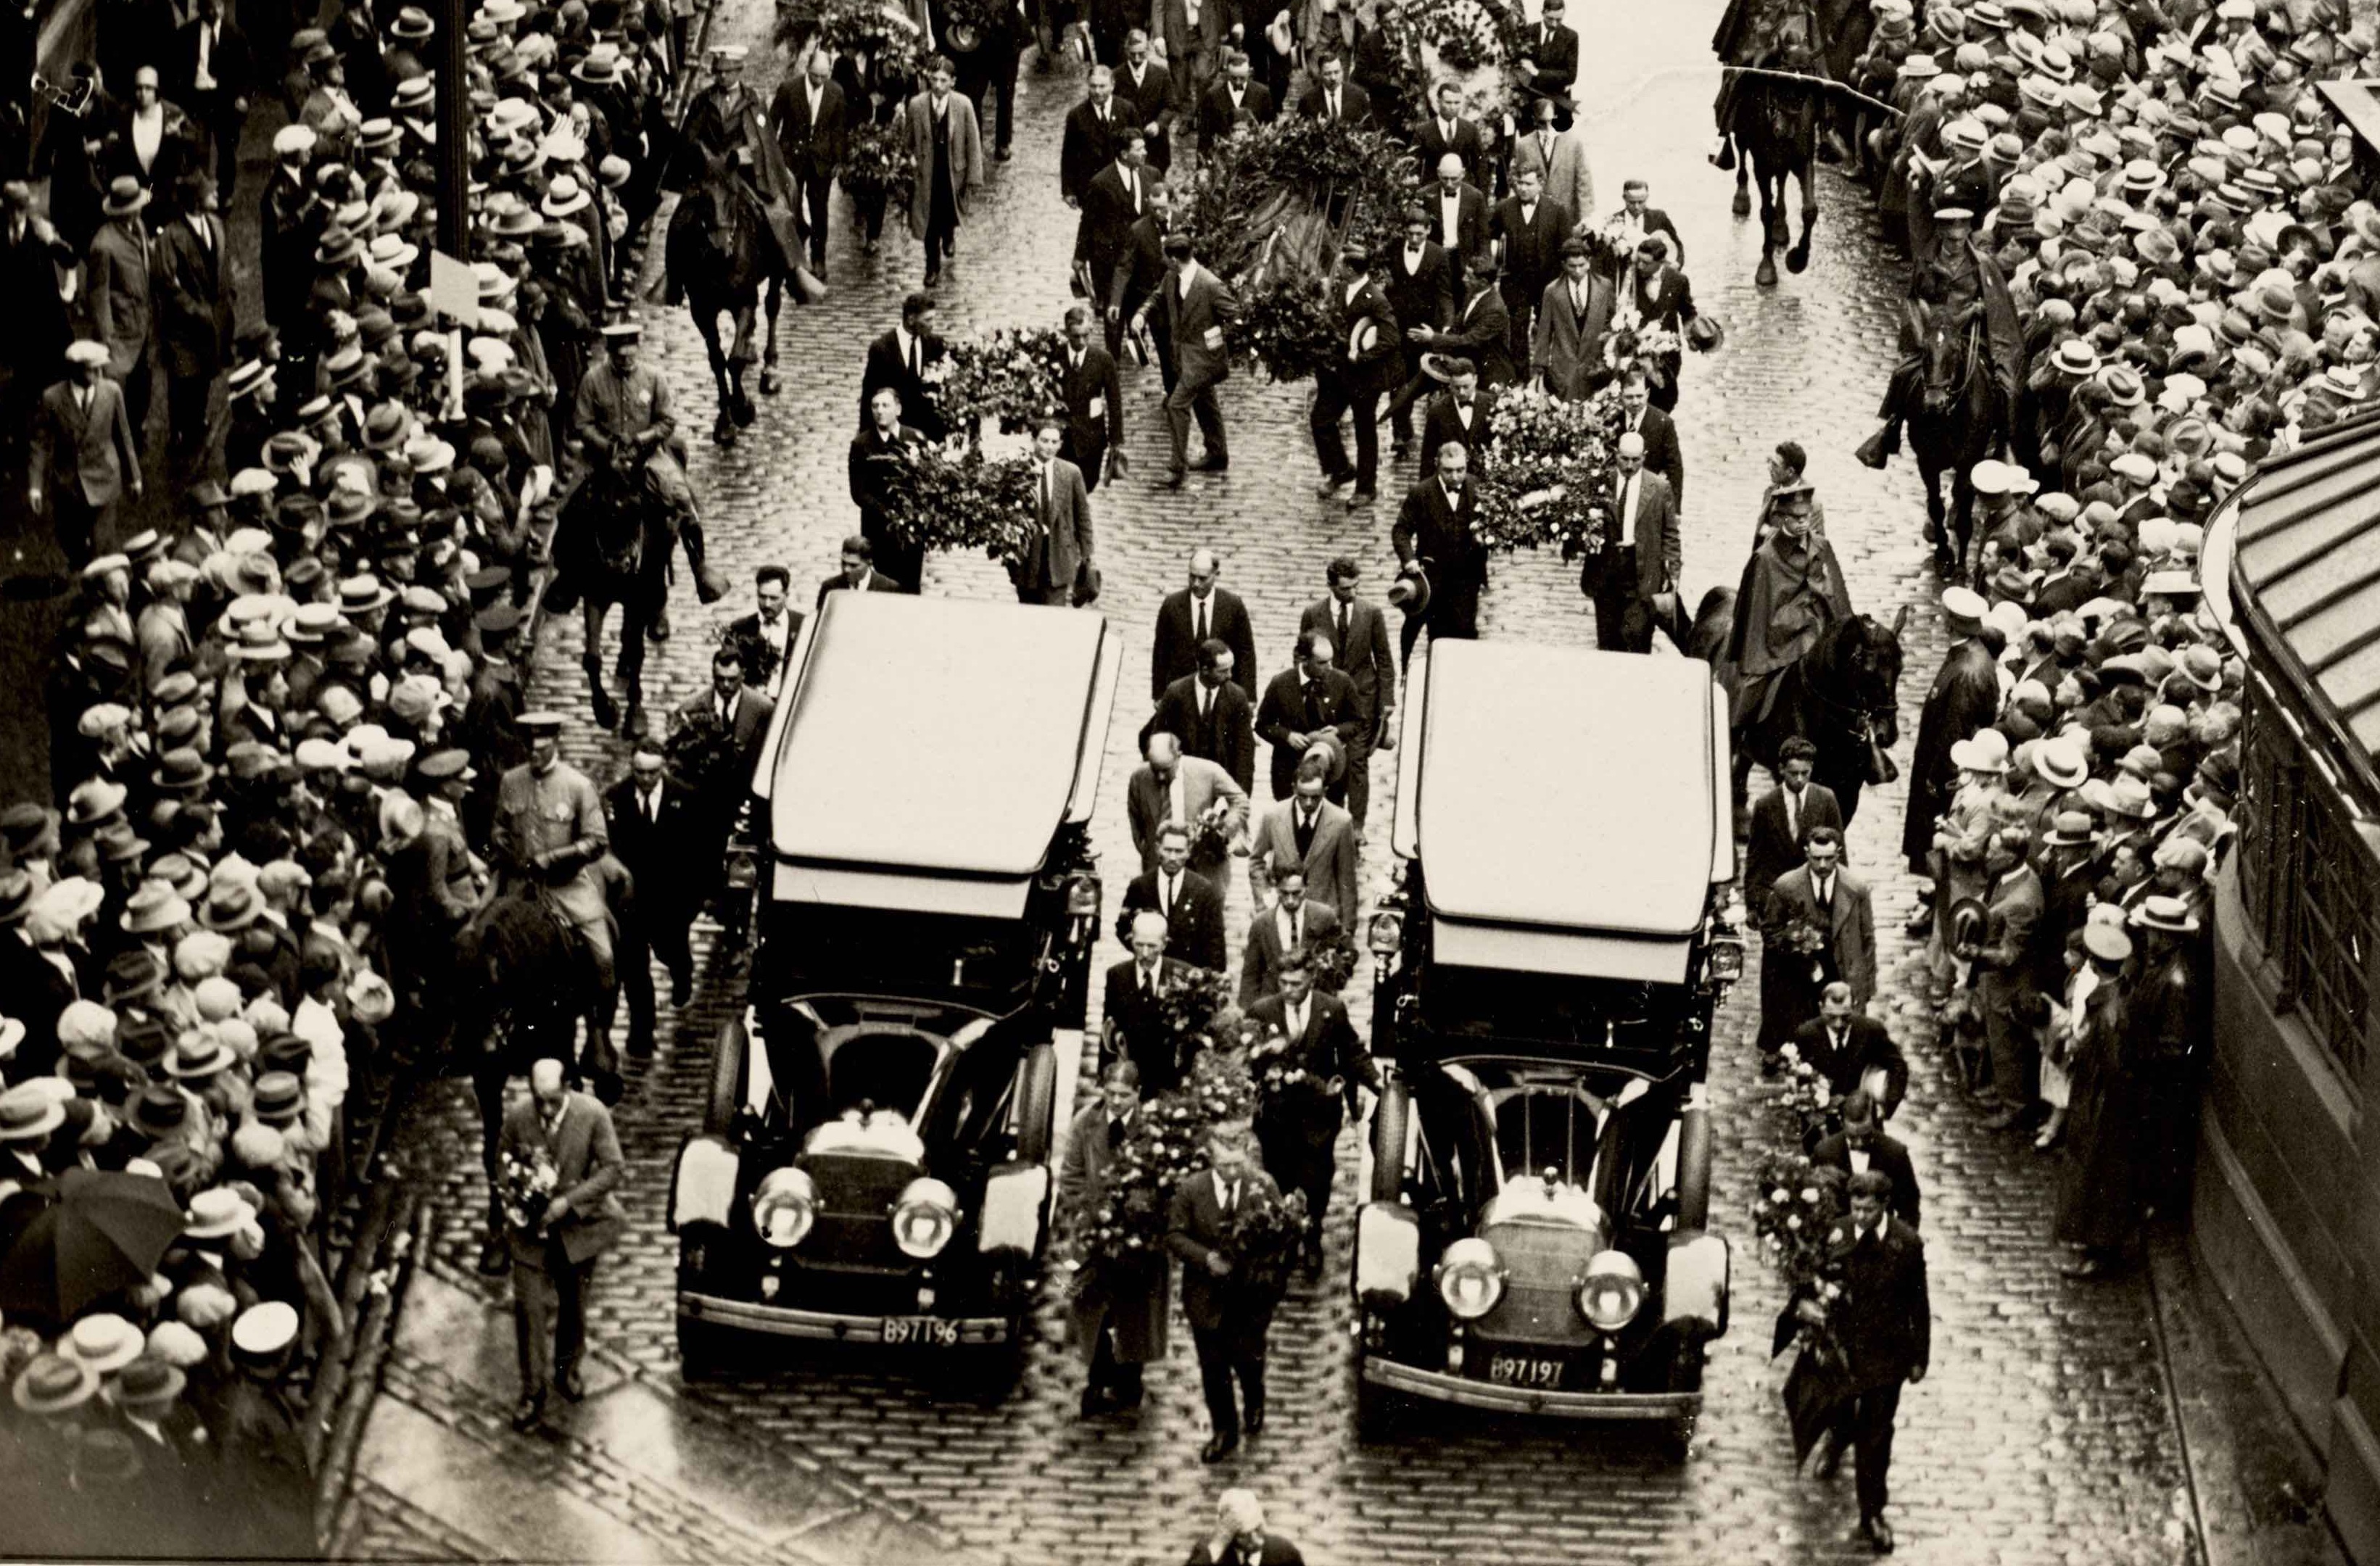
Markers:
point(2044, 1431)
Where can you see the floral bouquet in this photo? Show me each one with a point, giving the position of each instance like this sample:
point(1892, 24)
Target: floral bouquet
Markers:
point(883, 44)
point(1803, 940)
point(1167, 1144)
point(878, 168)
point(525, 1188)
point(1196, 1010)
point(966, 24)
point(1266, 1240)
point(1544, 474)
point(1010, 379)
point(1649, 348)
point(1278, 1068)
point(1798, 1213)
point(1210, 835)
point(1464, 33)
point(1809, 1098)
point(955, 497)
point(1285, 331)
point(1281, 198)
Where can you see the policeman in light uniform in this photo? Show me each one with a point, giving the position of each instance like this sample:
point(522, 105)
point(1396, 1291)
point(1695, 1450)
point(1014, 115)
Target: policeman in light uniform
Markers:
point(550, 832)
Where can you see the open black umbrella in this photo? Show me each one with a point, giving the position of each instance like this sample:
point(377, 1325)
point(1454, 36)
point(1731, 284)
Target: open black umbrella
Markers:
point(98, 1234)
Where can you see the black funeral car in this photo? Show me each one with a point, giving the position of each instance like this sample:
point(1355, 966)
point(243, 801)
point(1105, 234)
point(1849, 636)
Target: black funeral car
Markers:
point(874, 1163)
point(1545, 974)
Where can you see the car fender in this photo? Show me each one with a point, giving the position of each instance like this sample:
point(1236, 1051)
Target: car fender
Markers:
point(1016, 1202)
point(1388, 1255)
point(1697, 1290)
point(702, 1186)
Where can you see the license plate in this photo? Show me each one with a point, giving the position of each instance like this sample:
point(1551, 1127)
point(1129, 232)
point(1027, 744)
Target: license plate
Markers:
point(928, 1332)
point(1519, 1370)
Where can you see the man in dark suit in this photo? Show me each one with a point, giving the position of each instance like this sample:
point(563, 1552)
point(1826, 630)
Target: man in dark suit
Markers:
point(1528, 229)
point(119, 295)
point(1636, 218)
point(1146, 89)
point(1852, 1051)
point(1965, 697)
point(554, 1249)
point(1094, 393)
point(898, 359)
point(1210, 714)
point(1301, 706)
point(1458, 222)
point(1362, 371)
point(1229, 1316)
point(1660, 432)
point(859, 573)
point(1548, 62)
point(85, 455)
point(1457, 415)
point(1199, 311)
point(1091, 137)
point(192, 274)
point(1192, 615)
point(1133, 1010)
point(765, 637)
point(2005, 964)
point(1655, 294)
point(1640, 556)
point(1191, 905)
point(1139, 272)
point(877, 454)
point(1480, 335)
point(1446, 133)
point(1332, 96)
point(1292, 924)
point(1233, 94)
point(1056, 566)
point(1781, 821)
point(1298, 1125)
point(1819, 896)
point(658, 834)
point(215, 80)
point(1419, 278)
point(1434, 526)
point(1111, 203)
point(1885, 1323)
point(1120, 1308)
point(812, 125)
point(715, 738)
point(1359, 639)
point(1862, 1144)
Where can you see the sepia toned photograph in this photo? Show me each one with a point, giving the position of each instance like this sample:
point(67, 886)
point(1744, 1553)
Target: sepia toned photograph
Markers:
point(966, 782)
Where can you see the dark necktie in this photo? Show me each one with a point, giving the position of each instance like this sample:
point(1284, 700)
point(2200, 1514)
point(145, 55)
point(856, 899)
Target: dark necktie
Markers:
point(1201, 605)
point(1343, 630)
point(1116, 1134)
point(1304, 833)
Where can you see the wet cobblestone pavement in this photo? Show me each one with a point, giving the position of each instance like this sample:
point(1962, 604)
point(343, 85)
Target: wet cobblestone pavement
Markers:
point(2043, 1433)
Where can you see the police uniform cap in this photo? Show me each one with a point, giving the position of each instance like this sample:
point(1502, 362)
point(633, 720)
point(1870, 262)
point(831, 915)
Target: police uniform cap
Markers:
point(441, 765)
point(541, 723)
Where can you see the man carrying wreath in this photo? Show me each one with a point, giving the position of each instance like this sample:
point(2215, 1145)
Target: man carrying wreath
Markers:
point(1308, 1061)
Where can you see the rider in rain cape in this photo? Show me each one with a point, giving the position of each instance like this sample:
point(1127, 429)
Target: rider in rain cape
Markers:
point(730, 122)
point(1793, 589)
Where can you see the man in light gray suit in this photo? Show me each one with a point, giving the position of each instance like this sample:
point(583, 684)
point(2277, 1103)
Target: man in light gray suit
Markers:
point(1176, 788)
point(1052, 568)
point(555, 1238)
point(1573, 317)
point(1307, 830)
point(1640, 557)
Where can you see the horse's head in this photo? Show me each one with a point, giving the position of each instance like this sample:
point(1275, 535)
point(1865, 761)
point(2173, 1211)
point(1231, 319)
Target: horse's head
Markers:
point(1797, 41)
point(1945, 354)
point(1869, 663)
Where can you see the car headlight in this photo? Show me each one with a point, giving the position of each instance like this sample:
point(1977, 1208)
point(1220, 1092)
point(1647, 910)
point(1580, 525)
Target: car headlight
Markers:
point(925, 1218)
point(1470, 1279)
point(785, 1207)
point(1083, 898)
point(1724, 961)
point(1613, 1291)
point(1386, 933)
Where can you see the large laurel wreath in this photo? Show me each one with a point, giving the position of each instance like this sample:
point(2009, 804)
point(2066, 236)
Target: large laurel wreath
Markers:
point(1544, 473)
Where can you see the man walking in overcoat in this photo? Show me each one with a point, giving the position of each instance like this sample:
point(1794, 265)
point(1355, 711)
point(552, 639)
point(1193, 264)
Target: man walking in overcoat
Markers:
point(554, 1251)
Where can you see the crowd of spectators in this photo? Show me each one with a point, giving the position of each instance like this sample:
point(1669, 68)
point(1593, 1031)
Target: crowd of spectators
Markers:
point(303, 544)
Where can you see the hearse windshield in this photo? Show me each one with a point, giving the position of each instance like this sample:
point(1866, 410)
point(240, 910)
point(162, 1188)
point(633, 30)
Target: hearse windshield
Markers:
point(818, 948)
point(1578, 1014)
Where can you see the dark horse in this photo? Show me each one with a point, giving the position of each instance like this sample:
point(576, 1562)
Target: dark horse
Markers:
point(717, 261)
point(1776, 121)
point(1842, 696)
point(612, 545)
point(524, 979)
point(1960, 418)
